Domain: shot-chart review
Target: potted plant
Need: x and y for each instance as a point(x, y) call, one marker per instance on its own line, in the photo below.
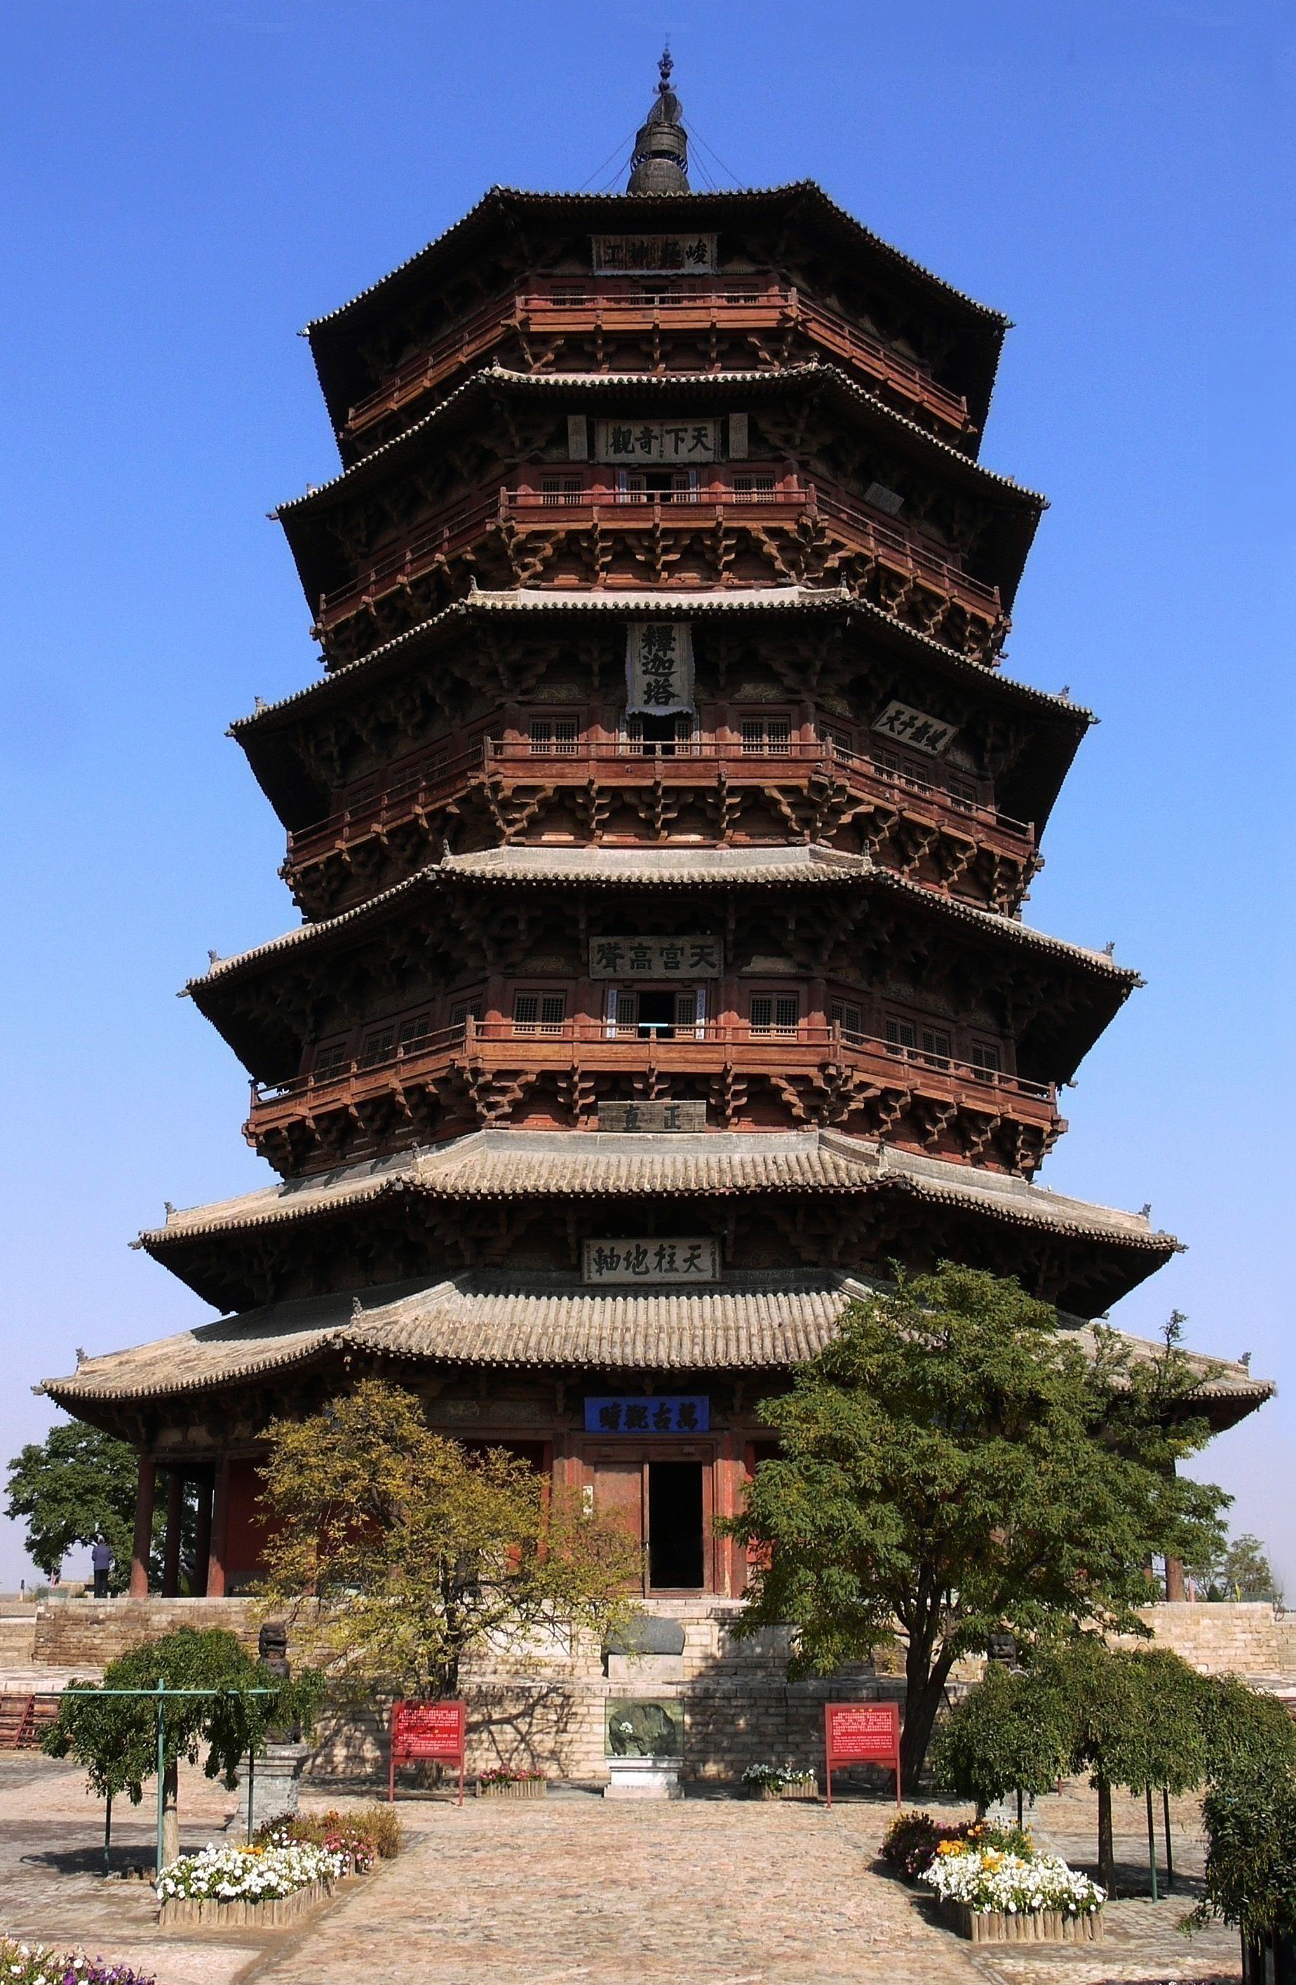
point(780, 1781)
point(507, 1782)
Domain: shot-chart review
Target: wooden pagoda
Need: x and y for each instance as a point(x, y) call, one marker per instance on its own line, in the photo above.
point(660, 826)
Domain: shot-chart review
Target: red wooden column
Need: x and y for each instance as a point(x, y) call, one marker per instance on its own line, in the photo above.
point(174, 1521)
point(202, 1543)
point(219, 1531)
point(139, 1574)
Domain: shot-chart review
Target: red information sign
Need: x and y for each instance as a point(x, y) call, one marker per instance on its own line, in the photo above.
point(862, 1733)
point(427, 1730)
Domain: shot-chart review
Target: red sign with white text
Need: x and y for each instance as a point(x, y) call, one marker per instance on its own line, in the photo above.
point(862, 1733)
point(427, 1732)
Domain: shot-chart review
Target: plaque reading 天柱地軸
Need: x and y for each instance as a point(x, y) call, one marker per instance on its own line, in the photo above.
point(655, 957)
point(659, 668)
point(655, 254)
point(650, 1260)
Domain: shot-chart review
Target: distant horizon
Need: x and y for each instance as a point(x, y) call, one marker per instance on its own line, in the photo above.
point(188, 191)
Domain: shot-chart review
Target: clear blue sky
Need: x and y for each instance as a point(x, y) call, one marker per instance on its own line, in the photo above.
point(183, 186)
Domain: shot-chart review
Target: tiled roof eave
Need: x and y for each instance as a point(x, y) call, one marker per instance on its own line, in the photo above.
point(838, 872)
point(790, 599)
point(664, 385)
point(500, 196)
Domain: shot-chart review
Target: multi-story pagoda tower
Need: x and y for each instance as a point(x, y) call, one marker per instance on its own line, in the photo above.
point(660, 827)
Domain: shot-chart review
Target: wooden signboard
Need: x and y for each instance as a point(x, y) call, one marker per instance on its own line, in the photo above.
point(862, 1733)
point(431, 1731)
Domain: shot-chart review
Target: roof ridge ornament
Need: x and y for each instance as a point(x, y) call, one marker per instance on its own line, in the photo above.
point(659, 162)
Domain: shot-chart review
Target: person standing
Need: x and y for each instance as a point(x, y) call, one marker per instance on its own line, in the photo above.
point(101, 1559)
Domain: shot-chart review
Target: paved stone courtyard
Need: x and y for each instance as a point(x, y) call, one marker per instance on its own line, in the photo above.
point(580, 1891)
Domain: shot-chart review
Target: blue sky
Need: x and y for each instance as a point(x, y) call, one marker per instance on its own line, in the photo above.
point(184, 186)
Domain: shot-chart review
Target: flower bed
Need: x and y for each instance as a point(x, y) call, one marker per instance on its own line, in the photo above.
point(260, 1884)
point(993, 1896)
point(359, 1838)
point(505, 1783)
point(780, 1781)
point(38, 1964)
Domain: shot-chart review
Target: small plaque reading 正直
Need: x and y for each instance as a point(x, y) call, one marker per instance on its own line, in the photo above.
point(651, 1116)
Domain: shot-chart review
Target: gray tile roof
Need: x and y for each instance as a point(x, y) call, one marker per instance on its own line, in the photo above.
point(797, 865)
point(600, 205)
point(666, 603)
point(703, 386)
point(505, 1164)
point(751, 1322)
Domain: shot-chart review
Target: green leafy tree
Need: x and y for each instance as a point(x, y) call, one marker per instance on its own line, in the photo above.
point(1251, 1856)
point(1240, 1571)
point(407, 1551)
point(68, 1488)
point(952, 1465)
point(1011, 1733)
point(115, 1737)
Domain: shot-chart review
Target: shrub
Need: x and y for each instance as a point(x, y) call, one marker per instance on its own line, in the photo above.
point(912, 1841)
point(776, 1776)
point(507, 1774)
point(1251, 1855)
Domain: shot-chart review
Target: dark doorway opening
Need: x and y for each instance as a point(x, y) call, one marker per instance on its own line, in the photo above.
point(656, 1015)
point(676, 1546)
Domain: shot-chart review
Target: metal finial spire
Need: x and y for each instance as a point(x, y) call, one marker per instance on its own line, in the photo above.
point(659, 163)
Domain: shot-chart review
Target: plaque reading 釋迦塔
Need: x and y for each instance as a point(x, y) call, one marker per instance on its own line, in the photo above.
point(651, 1260)
point(655, 958)
point(659, 668)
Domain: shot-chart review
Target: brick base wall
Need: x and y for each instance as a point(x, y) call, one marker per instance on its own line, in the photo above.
point(543, 1704)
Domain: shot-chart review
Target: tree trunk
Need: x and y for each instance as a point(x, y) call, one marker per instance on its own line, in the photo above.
point(1106, 1846)
point(171, 1814)
point(924, 1689)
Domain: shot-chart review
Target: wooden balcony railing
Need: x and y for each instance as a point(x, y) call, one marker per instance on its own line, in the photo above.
point(597, 1045)
point(414, 785)
point(903, 552)
point(550, 309)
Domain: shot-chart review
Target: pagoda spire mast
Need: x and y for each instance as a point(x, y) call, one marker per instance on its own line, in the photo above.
point(659, 163)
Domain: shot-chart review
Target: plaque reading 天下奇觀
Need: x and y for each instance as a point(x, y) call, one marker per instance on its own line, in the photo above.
point(685, 443)
point(650, 1260)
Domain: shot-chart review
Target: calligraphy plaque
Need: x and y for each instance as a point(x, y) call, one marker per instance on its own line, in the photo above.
point(659, 668)
point(915, 728)
point(654, 254)
point(683, 442)
point(650, 1260)
point(652, 1116)
point(656, 1414)
point(656, 958)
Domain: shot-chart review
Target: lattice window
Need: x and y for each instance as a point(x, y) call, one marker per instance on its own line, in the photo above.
point(755, 485)
point(935, 1043)
point(558, 490)
point(330, 1061)
point(414, 1031)
point(539, 1013)
point(554, 737)
point(844, 1013)
point(377, 1047)
point(462, 1010)
point(775, 1013)
point(987, 1058)
point(766, 737)
point(901, 1035)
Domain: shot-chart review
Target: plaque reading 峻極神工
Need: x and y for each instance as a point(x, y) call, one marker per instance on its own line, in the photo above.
point(651, 1260)
point(652, 1116)
point(655, 957)
point(655, 254)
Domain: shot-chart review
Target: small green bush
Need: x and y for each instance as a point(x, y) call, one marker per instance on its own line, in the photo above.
point(1251, 1855)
